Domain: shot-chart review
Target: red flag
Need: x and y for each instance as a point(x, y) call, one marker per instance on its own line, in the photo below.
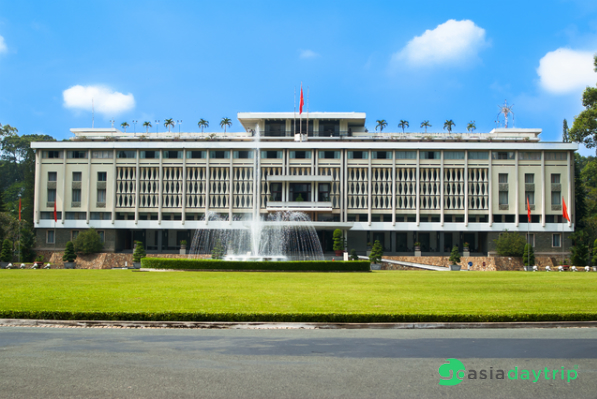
point(565, 210)
point(302, 101)
point(19, 209)
point(528, 210)
point(55, 213)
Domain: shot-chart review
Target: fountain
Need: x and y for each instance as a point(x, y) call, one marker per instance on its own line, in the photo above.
point(279, 236)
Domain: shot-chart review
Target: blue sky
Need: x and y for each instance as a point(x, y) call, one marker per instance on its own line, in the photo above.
point(186, 60)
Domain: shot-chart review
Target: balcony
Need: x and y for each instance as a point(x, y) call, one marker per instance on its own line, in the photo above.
point(301, 206)
point(299, 178)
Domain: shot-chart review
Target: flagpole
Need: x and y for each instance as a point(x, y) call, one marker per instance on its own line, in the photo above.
point(294, 118)
point(301, 115)
point(307, 111)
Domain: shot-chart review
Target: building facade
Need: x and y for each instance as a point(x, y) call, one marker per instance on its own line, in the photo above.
point(437, 189)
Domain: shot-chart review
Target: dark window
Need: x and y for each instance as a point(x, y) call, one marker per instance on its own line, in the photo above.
point(276, 191)
point(52, 176)
point(219, 154)
point(244, 154)
point(77, 154)
point(300, 154)
point(381, 155)
point(430, 155)
point(102, 176)
point(172, 154)
point(329, 154)
point(195, 154)
point(52, 154)
point(149, 154)
point(358, 155)
point(271, 154)
point(300, 191)
point(324, 192)
point(77, 176)
point(127, 154)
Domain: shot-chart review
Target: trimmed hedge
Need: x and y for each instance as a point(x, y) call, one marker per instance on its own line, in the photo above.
point(295, 317)
point(215, 264)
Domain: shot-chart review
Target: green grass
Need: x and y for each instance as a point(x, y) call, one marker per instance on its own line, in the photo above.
point(395, 295)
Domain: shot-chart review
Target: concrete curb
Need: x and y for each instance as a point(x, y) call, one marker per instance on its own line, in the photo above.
point(292, 326)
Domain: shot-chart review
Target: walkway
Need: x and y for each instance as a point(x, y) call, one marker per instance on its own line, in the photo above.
point(411, 264)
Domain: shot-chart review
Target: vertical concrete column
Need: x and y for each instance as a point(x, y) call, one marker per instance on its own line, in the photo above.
point(516, 198)
point(36, 214)
point(160, 190)
point(115, 174)
point(314, 186)
point(441, 192)
point(137, 190)
point(184, 186)
point(369, 185)
point(207, 185)
point(231, 188)
point(64, 180)
point(465, 188)
point(342, 195)
point(285, 172)
point(392, 237)
point(543, 192)
point(490, 188)
point(88, 188)
point(417, 184)
point(257, 204)
point(345, 183)
point(570, 202)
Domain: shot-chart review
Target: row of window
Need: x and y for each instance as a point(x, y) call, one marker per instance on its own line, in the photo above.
point(529, 178)
point(51, 236)
point(245, 154)
point(101, 176)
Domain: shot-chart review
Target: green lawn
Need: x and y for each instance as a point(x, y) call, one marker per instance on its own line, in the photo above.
point(408, 296)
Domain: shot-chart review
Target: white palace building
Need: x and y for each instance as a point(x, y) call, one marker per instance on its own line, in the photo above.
point(438, 189)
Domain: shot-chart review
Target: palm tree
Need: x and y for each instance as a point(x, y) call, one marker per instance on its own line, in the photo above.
point(202, 124)
point(225, 122)
point(471, 126)
point(124, 125)
point(425, 124)
point(169, 123)
point(381, 123)
point(403, 124)
point(448, 125)
point(146, 125)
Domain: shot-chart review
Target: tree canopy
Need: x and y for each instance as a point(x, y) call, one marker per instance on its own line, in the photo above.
point(584, 129)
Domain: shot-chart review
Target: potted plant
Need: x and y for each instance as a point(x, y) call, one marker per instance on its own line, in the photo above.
point(417, 248)
point(338, 238)
point(455, 259)
point(138, 254)
point(466, 249)
point(375, 256)
point(528, 258)
point(69, 256)
point(353, 254)
point(183, 247)
point(6, 254)
point(39, 262)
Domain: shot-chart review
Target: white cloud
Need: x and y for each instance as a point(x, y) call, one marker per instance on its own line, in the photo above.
point(105, 100)
point(453, 42)
point(3, 48)
point(564, 71)
point(306, 54)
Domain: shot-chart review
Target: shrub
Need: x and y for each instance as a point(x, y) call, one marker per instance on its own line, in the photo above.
point(353, 254)
point(183, 243)
point(376, 252)
point(454, 256)
point(88, 242)
point(212, 264)
point(510, 244)
point(139, 252)
point(338, 238)
point(69, 252)
point(26, 245)
point(39, 258)
point(528, 258)
point(580, 253)
point(6, 255)
point(218, 250)
point(594, 260)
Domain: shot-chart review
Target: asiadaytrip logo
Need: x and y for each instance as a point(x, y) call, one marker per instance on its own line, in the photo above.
point(453, 371)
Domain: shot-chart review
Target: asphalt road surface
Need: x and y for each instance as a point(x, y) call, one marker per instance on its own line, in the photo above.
point(170, 363)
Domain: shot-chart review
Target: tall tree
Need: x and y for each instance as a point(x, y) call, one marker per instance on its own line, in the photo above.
point(425, 124)
point(381, 123)
point(225, 122)
point(565, 138)
point(403, 124)
point(584, 128)
point(169, 123)
point(448, 125)
point(124, 125)
point(146, 125)
point(471, 126)
point(202, 124)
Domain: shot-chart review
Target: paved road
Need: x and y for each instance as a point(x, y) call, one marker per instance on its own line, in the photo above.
point(168, 363)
